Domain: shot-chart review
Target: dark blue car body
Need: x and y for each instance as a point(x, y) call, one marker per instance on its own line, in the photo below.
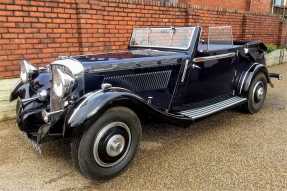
point(178, 86)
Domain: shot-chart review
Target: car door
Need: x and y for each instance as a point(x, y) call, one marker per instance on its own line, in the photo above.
point(205, 78)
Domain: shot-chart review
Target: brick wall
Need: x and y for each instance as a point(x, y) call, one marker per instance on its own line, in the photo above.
point(41, 30)
point(206, 18)
point(106, 26)
point(242, 5)
point(260, 6)
point(36, 30)
point(284, 35)
point(267, 28)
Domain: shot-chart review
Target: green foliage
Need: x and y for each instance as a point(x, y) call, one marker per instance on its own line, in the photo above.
point(271, 48)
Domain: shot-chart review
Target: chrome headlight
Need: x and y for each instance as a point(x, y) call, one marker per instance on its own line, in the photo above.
point(62, 83)
point(27, 70)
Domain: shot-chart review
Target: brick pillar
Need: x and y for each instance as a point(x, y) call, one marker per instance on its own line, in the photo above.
point(283, 41)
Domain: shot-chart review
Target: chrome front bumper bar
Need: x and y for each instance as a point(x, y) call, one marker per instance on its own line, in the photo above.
point(51, 116)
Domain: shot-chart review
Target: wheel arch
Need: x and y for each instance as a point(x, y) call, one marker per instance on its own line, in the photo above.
point(94, 105)
point(249, 75)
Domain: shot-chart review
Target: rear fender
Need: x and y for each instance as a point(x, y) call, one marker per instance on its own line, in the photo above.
point(249, 76)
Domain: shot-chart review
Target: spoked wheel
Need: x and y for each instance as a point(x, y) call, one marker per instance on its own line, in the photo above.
point(109, 144)
point(257, 94)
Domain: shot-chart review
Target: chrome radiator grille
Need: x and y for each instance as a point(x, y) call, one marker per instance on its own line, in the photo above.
point(56, 103)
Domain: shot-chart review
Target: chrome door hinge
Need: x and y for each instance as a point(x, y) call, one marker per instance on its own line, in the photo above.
point(194, 66)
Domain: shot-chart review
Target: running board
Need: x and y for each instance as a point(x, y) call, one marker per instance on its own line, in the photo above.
point(213, 108)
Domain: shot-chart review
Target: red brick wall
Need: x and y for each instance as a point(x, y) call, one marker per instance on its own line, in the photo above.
point(41, 30)
point(206, 18)
point(107, 26)
point(267, 28)
point(260, 6)
point(36, 30)
point(284, 35)
point(242, 5)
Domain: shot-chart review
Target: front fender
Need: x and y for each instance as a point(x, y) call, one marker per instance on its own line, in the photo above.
point(29, 89)
point(93, 105)
point(15, 91)
point(21, 90)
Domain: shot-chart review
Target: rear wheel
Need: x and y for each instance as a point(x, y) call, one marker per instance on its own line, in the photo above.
point(256, 94)
point(109, 144)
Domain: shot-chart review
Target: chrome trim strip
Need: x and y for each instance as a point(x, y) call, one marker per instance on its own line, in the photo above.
point(245, 75)
point(30, 99)
point(184, 70)
point(53, 112)
point(216, 57)
point(90, 54)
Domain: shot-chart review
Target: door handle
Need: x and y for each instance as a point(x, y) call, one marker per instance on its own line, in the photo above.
point(194, 66)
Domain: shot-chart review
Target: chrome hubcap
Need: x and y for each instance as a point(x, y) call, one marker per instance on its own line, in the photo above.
point(258, 92)
point(115, 145)
point(112, 144)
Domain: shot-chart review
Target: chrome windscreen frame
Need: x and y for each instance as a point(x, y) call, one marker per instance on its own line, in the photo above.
point(165, 47)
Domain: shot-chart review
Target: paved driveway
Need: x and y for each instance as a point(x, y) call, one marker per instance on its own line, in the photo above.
point(228, 151)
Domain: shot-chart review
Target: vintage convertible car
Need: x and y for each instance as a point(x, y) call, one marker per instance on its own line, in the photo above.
point(101, 100)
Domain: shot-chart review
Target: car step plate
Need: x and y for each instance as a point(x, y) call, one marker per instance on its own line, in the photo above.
point(212, 108)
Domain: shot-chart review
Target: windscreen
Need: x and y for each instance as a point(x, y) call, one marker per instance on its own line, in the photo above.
point(173, 38)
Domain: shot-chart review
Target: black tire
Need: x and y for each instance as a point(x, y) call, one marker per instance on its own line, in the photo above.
point(255, 100)
point(108, 145)
point(18, 113)
point(74, 151)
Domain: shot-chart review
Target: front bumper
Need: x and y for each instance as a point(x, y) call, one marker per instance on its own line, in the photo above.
point(51, 117)
point(32, 104)
point(39, 125)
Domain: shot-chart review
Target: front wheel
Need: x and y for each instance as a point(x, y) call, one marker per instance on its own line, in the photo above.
point(256, 94)
point(109, 144)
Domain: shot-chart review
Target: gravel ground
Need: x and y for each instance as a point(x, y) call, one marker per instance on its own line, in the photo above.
point(227, 151)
